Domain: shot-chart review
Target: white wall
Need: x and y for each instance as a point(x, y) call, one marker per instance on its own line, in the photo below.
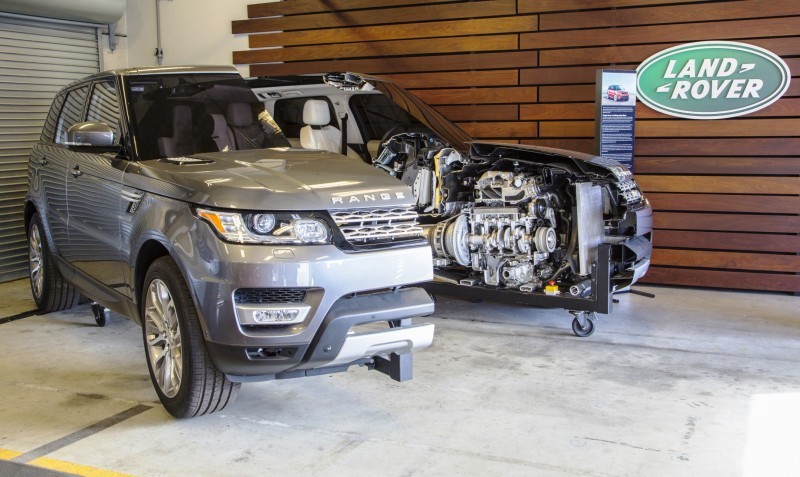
point(192, 32)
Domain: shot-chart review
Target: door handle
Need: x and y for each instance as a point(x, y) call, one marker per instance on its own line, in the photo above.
point(44, 161)
point(76, 171)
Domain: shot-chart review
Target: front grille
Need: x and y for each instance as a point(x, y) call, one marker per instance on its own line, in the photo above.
point(269, 295)
point(370, 226)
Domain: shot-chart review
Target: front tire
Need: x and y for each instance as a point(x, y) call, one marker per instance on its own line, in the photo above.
point(186, 380)
point(51, 292)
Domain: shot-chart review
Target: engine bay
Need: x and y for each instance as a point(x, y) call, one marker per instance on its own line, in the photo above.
point(501, 219)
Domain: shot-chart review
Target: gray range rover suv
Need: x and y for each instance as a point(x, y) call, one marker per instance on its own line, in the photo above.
point(156, 193)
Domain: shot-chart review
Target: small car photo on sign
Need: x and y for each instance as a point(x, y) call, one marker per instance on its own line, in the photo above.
point(619, 88)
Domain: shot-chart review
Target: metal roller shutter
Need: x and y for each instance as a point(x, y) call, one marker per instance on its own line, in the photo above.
point(37, 58)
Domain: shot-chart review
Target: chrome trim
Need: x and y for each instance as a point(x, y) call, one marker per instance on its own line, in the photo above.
point(396, 340)
point(375, 225)
point(245, 312)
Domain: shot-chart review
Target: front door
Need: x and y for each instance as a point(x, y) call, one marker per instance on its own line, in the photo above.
point(94, 184)
point(52, 157)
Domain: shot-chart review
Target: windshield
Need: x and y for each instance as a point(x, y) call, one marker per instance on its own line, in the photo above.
point(379, 115)
point(447, 131)
point(183, 114)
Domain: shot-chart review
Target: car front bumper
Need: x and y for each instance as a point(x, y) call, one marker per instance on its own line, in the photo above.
point(341, 291)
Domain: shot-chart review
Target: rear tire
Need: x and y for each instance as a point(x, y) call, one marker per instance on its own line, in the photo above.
point(186, 380)
point(51, 292)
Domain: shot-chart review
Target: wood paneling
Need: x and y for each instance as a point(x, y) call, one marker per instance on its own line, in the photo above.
point(413, 14)
point(294, 7)
point(481, 112)
point(557, 111)
point(725, 127)
point(668, 14)
point(456, 79)
point(570, 74)
point(462, 62)
point(683, 33)
point(750, 147)
point(786, 107)
point(397, 32)
point(698, 277)
point(743, 203)
point(378, 48)
point(719, 165)
point(720, 184)
point(567, 129)
point(609, 55)
point(565, 94)
point(511, 129)
point(726, 193)
point(727, 241)
point(536, 6)
point(732, 260)
point(779, 224)
point(522, 94)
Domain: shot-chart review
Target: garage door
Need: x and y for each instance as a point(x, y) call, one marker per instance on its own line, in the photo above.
point(37, 58)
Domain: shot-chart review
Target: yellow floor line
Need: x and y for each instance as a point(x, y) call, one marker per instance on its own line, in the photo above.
point(6, 454)
point(77, 469)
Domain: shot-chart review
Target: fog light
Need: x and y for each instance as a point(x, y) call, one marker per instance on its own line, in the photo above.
point(275, 316)
point(261, 314)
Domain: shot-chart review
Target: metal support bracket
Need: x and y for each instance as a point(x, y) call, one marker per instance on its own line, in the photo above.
point(396, 366)
point(112, 36)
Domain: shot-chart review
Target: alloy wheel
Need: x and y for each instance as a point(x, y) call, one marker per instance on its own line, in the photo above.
point(36, 259)
point(163, 338)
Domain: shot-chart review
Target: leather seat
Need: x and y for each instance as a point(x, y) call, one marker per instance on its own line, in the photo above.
point(221, 134)
point(181, 142)
point(247, 132)
point(317, 132)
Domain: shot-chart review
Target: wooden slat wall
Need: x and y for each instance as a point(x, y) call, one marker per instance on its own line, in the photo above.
point(726, 193)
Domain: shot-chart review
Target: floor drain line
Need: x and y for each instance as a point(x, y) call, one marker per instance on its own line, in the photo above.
point(81, 434)
point(19, 316)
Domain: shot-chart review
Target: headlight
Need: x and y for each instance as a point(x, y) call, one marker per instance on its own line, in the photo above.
point(266, 227)
point(263, 223)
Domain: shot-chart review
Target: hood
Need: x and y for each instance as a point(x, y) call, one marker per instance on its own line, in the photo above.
point(573, 160)
point(276, 179)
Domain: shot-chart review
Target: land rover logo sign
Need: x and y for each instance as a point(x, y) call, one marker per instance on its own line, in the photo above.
point(712, 80)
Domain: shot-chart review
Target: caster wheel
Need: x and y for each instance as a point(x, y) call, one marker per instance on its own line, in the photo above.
point(582, 330)
point(100, 314)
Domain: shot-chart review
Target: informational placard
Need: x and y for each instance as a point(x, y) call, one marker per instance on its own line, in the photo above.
point(615, 115)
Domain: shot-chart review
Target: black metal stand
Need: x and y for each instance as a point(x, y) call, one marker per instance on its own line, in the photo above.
point(599, 301)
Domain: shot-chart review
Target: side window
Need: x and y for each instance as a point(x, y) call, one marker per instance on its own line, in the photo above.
point(104, 107)
point(289, 114)
point(70, 113)
point(52, 118)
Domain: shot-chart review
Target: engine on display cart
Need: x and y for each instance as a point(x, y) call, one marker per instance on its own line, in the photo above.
point(508, 222)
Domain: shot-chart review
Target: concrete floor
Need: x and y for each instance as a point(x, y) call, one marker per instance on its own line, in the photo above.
point(692, 382)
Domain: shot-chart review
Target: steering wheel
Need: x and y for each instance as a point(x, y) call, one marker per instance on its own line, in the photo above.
point(394, 130)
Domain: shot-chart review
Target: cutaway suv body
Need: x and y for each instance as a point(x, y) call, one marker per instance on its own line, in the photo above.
point(157, 193)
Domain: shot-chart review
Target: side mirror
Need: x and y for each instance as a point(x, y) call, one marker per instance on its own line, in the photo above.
point(92, 134)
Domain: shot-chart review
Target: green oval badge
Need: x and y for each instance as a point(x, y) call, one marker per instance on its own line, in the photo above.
point(711, 80)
